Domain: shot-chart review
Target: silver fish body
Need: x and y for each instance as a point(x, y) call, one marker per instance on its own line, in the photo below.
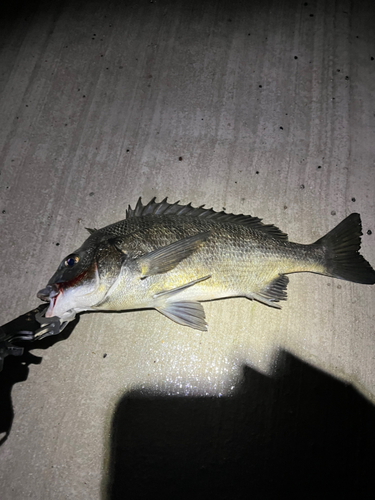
point(171, 257)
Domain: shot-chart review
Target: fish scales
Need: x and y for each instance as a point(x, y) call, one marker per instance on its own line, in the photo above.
point(171, 257)
point(225, 255)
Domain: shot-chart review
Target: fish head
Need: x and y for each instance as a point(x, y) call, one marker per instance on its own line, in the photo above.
point(83, 278)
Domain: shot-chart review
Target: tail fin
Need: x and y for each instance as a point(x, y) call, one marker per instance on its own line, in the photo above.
point(341, 247)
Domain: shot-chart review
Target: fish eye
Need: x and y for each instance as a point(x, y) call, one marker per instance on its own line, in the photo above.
point(71, 260)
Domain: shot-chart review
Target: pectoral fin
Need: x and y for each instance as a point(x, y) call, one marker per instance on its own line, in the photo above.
point(185, 313)
point(166, 258)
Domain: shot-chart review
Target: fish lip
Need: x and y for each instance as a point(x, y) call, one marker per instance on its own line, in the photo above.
point(48, 293)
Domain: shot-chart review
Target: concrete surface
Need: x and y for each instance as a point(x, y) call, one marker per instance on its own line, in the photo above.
point(261, 107)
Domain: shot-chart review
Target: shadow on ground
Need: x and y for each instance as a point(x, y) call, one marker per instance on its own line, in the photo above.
point(15, 369)
point(300, 432)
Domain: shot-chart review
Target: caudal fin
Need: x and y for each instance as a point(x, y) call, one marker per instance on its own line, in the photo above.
point(341, 247)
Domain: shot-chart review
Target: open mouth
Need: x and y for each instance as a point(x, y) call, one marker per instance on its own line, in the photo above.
point(69, 297)
point(49, 293)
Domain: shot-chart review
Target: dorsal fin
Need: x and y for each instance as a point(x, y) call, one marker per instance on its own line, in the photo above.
point(91, 231)
point(154, 208)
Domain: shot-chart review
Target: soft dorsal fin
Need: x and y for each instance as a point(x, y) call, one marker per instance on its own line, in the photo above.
point(154, 208)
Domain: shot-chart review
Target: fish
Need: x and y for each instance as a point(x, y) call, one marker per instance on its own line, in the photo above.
point(171, 257)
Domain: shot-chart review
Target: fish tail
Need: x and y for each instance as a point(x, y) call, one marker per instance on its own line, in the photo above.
point(341, 247)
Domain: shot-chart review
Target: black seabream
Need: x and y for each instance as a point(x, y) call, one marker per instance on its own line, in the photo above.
point(171, 257)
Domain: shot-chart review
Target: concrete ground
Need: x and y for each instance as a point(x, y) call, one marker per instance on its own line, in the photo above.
point(261, 107)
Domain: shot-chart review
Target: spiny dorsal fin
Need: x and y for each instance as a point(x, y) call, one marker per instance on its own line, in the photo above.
point(91, 231)
point(154, 208)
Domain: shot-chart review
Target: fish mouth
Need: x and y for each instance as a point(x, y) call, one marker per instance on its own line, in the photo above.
point(70, 297)
point(48, 293)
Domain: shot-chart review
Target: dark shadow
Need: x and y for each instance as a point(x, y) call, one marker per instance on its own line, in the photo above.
point(299, 433)
point(15, 369)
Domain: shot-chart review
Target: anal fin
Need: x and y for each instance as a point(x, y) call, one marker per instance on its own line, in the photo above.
point(273, 292)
